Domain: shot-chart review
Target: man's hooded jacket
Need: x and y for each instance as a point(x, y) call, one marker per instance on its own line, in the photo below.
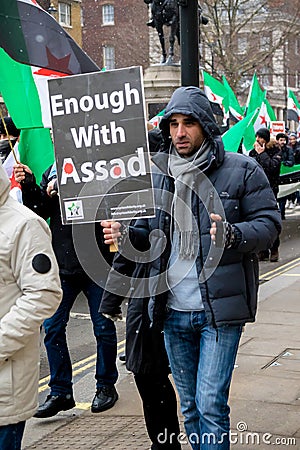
point(229, 184)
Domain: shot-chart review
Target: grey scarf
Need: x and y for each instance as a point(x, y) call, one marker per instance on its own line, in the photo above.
point(184, 170)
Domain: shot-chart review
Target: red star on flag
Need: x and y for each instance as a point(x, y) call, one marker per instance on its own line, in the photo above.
point(62, 64)
point(263, 120)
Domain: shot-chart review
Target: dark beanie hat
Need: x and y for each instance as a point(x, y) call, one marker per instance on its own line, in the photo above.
point(11, 127)
point(282, 136)
point(264, 133)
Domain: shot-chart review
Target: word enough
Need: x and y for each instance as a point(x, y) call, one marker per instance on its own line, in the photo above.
point(116, 100)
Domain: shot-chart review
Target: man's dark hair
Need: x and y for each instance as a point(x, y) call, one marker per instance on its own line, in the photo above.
point(10, 126)
point(282, 135)
point(263, 133)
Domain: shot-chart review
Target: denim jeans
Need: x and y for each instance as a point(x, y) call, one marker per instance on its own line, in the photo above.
point(56, 343)
point(11, 436)
point(202, 361)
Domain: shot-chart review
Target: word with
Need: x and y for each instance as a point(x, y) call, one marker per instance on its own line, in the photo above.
point(94, 135)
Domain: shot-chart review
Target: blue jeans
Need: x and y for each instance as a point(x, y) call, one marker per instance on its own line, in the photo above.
point(202, 362)
point(11, 436)
point(56, 343)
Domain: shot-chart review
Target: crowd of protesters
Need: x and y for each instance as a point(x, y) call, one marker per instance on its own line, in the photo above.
point(185, 318)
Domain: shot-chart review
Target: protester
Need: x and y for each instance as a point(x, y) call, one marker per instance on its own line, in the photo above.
point(74, 280)
point(202, 293)
point(287, 159)
point(9, 134)
point(268, 154)
point(145, 353)
point(295, 146)
point(29, 293)
point(9, 139)
point(294, 198)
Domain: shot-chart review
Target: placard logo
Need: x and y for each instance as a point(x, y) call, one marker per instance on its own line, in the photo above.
point(74, 210)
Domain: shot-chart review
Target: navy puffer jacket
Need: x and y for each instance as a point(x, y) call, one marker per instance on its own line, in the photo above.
point(235, 187)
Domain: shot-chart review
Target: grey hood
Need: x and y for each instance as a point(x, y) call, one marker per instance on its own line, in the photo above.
point(191, 101)
point(4, 185)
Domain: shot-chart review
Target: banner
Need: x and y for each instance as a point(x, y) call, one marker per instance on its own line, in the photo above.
point(100, 140)
point(31, 36)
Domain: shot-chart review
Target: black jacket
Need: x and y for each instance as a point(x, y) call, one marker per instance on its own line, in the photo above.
point(235, 182)
point(145, 349)
point(287, 155)
point(36, 198)
point(229, 280)
point(296, 152)
point(270, 161)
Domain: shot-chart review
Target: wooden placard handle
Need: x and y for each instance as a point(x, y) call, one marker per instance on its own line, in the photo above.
point(113, 247)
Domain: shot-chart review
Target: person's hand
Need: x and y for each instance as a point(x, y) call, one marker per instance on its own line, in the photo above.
point(52, 187)
point(20, 172)
point(214, 229)
point(222, 233)
point(111, 231)
point(259, 148)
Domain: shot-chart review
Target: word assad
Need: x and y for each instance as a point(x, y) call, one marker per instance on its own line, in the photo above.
point(101, 170)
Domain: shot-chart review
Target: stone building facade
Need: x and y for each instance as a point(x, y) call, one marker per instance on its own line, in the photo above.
point(115, 34)
point(68, 14)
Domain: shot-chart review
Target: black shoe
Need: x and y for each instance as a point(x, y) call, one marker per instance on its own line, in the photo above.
point(151, 23)
point(104, 399)
point(122, 357)
point(264, 255)
point(274, 256)
point(54, 404)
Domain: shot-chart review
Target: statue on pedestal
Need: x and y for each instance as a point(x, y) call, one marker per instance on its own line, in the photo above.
point(165, 12)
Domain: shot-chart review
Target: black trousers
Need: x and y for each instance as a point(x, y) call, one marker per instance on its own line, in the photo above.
point(160, 410)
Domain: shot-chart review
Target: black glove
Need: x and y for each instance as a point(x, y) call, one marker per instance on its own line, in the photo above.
point(226, 235)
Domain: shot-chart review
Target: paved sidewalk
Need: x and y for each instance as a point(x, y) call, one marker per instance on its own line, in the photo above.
point(265, 394)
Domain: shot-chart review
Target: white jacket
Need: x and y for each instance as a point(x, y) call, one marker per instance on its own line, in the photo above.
point(29, 293)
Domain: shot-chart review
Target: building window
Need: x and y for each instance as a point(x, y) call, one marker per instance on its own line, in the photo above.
point(81, 18)
point(108, 15)
point(109, 57)
point(298, 80)
point(265, 77)
point(265, 43)
point(64, 14)
point(242, 44)
point(297, 46)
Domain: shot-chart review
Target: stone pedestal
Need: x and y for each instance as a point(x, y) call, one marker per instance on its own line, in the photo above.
point(160, 81)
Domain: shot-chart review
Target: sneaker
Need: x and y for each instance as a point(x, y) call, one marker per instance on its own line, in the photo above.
point(104, 399)
point(54, 404)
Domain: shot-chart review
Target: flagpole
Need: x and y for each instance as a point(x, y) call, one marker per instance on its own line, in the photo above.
point(189, 42)
point(9, 141)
